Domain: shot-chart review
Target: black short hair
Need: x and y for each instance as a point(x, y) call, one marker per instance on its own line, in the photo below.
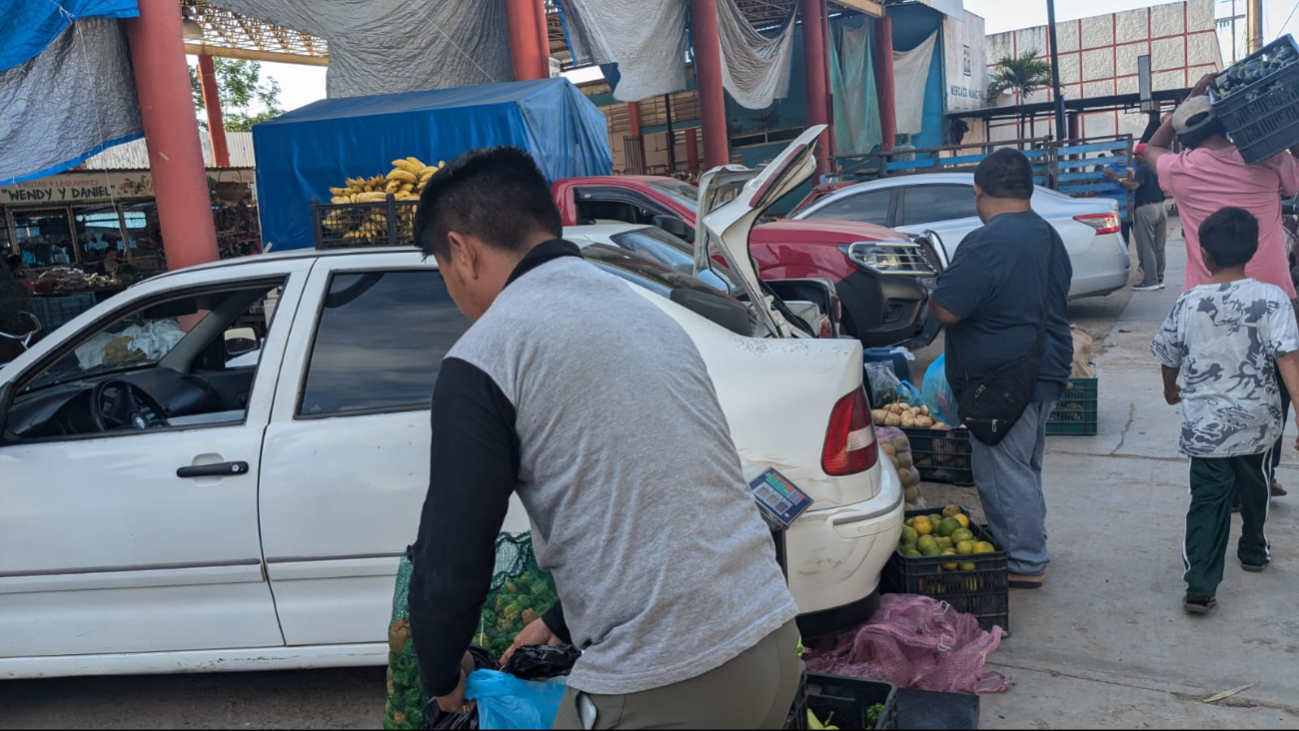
point(1194, 139)
point(1230, 236)
point(497, 194)
point(14, 262)
point(1005, 173)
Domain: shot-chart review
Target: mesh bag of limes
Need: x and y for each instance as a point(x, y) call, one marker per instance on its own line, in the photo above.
point(945, 556)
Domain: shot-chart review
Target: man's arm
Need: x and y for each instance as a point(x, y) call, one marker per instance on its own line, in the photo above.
point(942, 314)
point(1172, 394)
point(474, 470)
point(1288, 364)
point(963, 286)
point(1125, 183)
point(1162, 141)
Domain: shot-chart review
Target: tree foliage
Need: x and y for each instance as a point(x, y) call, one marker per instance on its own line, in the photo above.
point(1026, 74)
point(245, 98)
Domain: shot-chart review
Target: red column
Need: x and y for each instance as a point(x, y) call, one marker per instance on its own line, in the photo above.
point(212, 104)
point(884, 81)
point(814, 72)
point(692, 147)
point(633, 118)
point(521, 15)
point(708, 74)
point(543, 38)
point(171, 132)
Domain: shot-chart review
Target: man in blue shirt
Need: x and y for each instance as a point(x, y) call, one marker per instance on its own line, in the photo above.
point(1151, 219)
point(992, 299)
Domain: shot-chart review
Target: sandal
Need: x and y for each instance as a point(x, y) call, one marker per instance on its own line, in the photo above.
point(1199, 605)
point(1020, 581)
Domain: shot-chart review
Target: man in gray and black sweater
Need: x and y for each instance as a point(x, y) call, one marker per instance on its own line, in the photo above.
point(587, 400)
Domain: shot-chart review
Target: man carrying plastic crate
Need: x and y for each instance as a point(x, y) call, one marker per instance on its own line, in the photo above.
point(1209, 171)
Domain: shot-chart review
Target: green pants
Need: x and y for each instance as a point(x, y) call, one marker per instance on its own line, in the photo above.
point(1208, 522)
point(754, 691)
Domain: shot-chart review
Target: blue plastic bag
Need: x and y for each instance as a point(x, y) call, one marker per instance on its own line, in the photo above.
point(938, 394)
point(909, 394)
point(507, 703)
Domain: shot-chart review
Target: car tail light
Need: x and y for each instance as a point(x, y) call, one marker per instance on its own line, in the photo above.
point(1104, 223)
point(850, 445)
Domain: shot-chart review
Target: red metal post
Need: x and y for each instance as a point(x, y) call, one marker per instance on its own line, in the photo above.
point(171, 133)
point(521, 16)
point(633, 118)
point(543, 37)
point(216, 130)
point(884, 81)
point(692, 147)
point(814, 72)
point(708, 74)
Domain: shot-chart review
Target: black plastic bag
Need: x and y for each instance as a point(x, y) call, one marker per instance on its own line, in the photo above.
point(542, 663)
point(437, 719)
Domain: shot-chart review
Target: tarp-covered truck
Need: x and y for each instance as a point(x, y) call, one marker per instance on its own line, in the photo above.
point(301, 154)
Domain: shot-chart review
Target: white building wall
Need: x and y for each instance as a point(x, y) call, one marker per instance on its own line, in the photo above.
point(1098, 57)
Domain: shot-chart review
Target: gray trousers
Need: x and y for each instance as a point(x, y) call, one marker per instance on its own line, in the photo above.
point(1009, 477)
point(1151, 232)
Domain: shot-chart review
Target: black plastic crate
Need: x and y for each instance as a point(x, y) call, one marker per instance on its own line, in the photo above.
point(1262, 117)
point(983, 592)
point(942, 455)
point(388, 222)
point(1077, 412)
point(843, 702)
point(55, 311)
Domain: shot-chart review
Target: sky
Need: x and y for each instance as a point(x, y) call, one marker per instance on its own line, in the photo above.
point(302, 85)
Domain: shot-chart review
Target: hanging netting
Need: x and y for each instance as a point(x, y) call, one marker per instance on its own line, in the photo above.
point(520, 593)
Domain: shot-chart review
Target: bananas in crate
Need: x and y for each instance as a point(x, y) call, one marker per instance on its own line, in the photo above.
point(358, 225)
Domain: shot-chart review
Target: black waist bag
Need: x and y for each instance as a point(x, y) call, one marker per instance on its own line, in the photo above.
point(991, 406)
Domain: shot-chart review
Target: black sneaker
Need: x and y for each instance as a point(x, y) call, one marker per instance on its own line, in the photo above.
point(1253, 568)
point(1199, 605)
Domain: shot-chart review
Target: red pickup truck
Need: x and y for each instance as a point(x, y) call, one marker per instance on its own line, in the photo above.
point(878, 273)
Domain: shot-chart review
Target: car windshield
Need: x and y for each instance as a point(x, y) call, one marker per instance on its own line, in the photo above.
point(683, 192)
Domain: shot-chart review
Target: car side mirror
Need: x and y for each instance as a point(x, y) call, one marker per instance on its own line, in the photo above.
point(672, 224)
point(240, 340)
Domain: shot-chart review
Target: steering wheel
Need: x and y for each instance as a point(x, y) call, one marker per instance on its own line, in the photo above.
point(115, 404)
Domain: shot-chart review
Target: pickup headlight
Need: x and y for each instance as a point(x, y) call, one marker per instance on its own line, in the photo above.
point(889, 257)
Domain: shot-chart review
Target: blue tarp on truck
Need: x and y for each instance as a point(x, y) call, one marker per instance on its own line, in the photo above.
point(302, 153)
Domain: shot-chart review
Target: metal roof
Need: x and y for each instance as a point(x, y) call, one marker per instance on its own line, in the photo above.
point(134, 155)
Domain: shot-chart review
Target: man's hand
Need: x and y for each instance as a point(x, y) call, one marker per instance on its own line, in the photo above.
point(1173, 395)
point(1110, 173)
point(455, 701)
point(537, 634)
point(1202, 86)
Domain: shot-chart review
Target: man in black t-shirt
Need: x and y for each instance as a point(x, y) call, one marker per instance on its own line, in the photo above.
point(1149, 220)
point(992, 299)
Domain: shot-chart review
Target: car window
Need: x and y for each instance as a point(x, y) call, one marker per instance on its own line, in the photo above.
point(379, 343)
point(685, 193)
point(143, 337)
point(930, 203)
point(666, 249)
point(865, 207)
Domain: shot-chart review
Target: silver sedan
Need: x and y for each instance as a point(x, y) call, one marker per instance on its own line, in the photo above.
point(944, 202)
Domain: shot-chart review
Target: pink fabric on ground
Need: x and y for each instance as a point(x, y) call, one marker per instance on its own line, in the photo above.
point(915, 642)
point(1204, 181)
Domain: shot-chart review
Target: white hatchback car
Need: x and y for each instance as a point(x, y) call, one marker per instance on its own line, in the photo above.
point(944, 202)
point(166, 507)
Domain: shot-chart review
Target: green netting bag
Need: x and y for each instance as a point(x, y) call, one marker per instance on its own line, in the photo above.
point(520, 592)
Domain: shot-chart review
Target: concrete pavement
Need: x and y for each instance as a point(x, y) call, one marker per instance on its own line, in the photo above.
point(1105, 644)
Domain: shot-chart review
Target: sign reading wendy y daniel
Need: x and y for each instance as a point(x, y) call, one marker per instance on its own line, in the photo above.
point(98, 186)
point(965, 63)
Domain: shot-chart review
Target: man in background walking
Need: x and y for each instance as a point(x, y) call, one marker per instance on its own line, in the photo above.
point(1150, 220)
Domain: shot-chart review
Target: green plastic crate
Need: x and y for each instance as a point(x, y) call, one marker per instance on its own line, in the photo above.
point(1076, 414)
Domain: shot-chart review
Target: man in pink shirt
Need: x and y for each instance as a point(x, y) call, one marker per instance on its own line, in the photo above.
point(1209, 175)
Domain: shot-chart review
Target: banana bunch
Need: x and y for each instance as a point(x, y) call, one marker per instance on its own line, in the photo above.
point(408, 178)
point(360, 190)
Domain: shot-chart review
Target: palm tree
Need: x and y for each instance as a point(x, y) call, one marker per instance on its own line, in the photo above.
point(1026, 74)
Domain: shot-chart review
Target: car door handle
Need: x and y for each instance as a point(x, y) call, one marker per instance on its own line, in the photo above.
point(220, 469)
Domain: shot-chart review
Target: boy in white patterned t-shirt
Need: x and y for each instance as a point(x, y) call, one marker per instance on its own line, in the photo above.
point(1227, 339)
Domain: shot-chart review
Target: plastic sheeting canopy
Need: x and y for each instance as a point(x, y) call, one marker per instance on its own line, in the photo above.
point(302, 153)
